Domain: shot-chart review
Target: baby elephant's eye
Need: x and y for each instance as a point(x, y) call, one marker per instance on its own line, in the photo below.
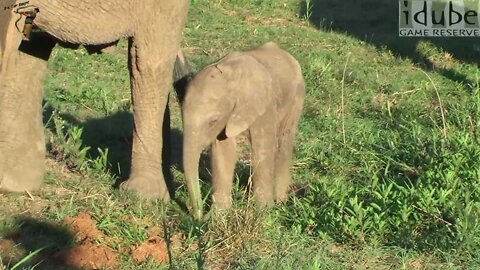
point(213, 121)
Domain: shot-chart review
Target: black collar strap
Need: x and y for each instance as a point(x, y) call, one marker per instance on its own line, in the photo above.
point(30, 12)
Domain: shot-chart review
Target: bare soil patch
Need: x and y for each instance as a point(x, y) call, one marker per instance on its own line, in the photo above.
point(155, 248)
point(84, 227)
point(90, 255)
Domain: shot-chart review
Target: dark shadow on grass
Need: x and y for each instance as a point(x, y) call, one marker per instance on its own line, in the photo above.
point(32, 235)
point(114, 133)
point(376, 22)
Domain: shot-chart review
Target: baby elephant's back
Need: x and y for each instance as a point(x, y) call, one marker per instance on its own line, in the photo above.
point(284, 69)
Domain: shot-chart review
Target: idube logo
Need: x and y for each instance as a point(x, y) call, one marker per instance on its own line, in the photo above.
point(440, 18)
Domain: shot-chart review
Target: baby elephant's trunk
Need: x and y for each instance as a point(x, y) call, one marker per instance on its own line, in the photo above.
point(191, 157)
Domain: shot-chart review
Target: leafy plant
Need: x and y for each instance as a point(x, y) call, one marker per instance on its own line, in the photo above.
point(308, 10)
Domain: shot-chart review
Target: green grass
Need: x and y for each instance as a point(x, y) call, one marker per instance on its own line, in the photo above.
point(390, 171)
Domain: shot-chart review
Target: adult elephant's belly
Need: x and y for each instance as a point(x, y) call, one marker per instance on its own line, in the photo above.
point(89, 22)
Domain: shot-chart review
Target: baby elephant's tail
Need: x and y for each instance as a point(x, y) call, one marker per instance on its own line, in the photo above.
point(182, 75)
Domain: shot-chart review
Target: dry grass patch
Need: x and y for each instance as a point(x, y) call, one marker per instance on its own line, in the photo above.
point(237, 234)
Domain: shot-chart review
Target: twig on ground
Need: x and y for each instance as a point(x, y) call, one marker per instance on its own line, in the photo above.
point(442, 111)
point(343, 103)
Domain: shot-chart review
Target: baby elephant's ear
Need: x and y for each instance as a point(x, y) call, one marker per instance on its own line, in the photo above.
point(251, 87)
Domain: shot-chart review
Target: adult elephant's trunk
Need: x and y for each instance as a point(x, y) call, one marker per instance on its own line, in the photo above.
point(191, 158)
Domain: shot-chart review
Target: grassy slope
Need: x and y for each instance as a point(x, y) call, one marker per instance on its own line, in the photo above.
point(385, 188)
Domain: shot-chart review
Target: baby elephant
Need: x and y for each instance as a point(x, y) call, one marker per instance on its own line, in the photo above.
point(259, 91)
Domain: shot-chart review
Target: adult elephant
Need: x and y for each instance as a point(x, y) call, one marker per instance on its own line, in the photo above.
point(154, 30)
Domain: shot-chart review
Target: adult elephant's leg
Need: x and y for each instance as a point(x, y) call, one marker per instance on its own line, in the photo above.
point(22, 143)
point(152, 56)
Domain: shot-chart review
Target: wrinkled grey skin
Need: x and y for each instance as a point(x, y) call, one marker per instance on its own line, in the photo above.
point(260, 92)
point(154, 30)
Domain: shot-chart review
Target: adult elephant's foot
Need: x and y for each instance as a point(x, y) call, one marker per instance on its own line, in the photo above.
point(22, 169)
point(147, 187)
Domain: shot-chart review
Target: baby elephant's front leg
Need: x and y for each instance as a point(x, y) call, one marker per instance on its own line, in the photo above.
point(223, 165)
point(263, 138)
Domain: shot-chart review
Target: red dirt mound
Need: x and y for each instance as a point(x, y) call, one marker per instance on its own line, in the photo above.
point(155, 247)
point(88, 254)
point(84, 227)
point(91, 256)
point(91, 249)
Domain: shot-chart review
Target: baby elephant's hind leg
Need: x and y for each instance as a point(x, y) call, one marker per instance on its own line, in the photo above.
point(285, 144)
point(263, 140)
